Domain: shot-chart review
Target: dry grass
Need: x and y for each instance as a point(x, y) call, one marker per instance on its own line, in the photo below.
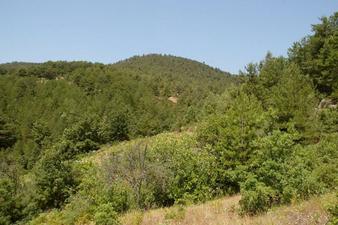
point(225, 212)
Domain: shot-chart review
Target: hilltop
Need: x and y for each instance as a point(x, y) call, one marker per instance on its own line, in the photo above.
point(173, 67)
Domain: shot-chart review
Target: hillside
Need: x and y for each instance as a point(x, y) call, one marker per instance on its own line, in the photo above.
point(171, 76)
point(140, 99)
point(42, 105)
point(158, 64)
point(175, 71)
point(113, 173)
point(89, 143)
point(225, 211)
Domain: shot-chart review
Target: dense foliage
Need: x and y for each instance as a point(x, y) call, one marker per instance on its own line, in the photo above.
point(270, 134)
point(55, 111)
point(316, 55)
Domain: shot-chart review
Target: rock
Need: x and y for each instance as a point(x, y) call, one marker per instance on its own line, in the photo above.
point(327, 103)
point(173, 99)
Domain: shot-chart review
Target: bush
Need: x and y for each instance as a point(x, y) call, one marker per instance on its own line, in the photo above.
point(8, 209)
point(256, 197)
point(303, 182)
point(120, 196)
point(105, 215)
point(333, 215)
point(54, 181)
point(159, 172)
point(52, 217)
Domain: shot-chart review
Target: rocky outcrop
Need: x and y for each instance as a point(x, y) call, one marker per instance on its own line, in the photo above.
point(327, 103)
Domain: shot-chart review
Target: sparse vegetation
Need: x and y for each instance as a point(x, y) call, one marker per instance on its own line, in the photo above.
point(226, 211)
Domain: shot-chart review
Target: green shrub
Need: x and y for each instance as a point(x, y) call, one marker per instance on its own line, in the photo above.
point(159, 172)
point(333, 210)
point(78, 209)
point(8, 210)
point(120, 196)
point(256, 197)
point(304, 183)
point(105, 215)
point(53, 180)
point(53, 217)
point(333, 215)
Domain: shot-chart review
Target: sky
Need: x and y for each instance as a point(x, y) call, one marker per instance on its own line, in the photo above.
point(226, 34)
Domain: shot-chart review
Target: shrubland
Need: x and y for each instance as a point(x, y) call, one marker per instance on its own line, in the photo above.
point(81, 142)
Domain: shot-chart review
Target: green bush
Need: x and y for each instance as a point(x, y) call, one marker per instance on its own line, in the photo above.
point(159, 172)
point(8, 209)
point(303, 182)
point(333, 215)
point(105, 215)
point(121, 197)
point(256, 197)
point(54, 180)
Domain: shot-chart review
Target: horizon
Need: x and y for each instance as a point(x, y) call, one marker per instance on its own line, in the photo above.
point(118, 61)
point(224, 35)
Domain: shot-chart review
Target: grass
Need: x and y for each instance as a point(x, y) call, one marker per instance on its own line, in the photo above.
point(98, 156)
point(224, 211)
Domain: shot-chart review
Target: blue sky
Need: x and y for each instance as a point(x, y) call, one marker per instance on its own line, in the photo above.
point(223, 34)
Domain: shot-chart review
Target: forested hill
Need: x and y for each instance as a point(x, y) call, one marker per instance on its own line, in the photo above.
point(169, 64)
point(141, 96)
point(187, 80)
point(167, 75)
point(269, 134)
